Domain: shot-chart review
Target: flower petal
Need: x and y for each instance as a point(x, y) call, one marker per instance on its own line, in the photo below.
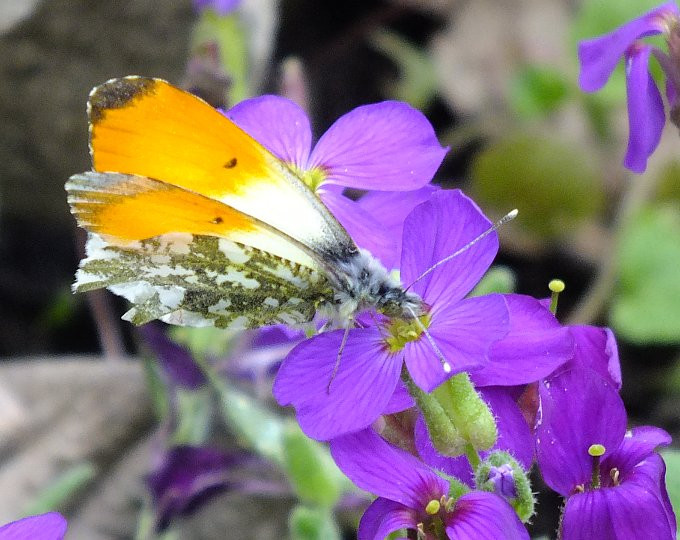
point(387, 471)
point(536, 344)
point(360, 391)
point(278, 124)
point(365, 230)
point(646, 116)
point(188, 476)
point(514, 436)
point(437, 229)
point(484, 516)
point(383, 517)
point(390, 208)
point(50, 526)
point(464, 333)
point(578, 409)
point(598, 56)
point(596, 349)
point(387, 146)
point(175, 360)
point(638, 443)
point(634, 509)
point(400, 400)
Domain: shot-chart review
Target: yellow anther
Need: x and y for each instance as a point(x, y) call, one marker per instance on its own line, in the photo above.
point(433, 507)
point(556, 285)
point(402, 331)
point(596, 450)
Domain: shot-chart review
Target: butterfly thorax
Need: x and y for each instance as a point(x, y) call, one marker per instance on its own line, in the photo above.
point(361, 282)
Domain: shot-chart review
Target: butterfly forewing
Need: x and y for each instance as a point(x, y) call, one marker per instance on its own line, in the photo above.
point(147, 127)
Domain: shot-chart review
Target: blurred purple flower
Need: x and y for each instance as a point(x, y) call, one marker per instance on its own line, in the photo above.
point(599, 56)
point(412, 496)
point(386, 146)
point(621, 494)
point(50, 526)
point(187, 477)
point(175, 360)
point(462, 328)
point(221, 7)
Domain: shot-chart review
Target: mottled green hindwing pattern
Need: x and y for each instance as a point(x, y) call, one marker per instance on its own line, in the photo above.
point(202, 281)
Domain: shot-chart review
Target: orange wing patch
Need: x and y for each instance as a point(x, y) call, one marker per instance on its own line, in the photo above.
point(128, 208)
point(124, 208)
point(150, 128)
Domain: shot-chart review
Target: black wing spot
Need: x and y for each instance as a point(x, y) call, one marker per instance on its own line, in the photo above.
point(217, 220)
point(116, 94)
point(230, 164)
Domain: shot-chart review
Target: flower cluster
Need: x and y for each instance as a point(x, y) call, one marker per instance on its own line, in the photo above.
point(646, 118)
point(441, 415)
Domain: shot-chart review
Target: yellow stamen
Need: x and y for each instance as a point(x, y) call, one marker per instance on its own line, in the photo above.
point(433, 507)
point(402, 331)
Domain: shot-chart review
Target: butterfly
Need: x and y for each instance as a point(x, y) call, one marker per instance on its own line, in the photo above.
point(198, 224)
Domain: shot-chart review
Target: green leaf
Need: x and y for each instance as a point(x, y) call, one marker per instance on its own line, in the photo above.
point(498, 279)
point(669, 182)
point(204, 341)
point(551, 183)
point(417, 82)
point(537, 90)
point(257, 427)
point(672, 459)
point(229, 34)
point(194, 410)
point(311, 470)
point(63, 489)
point(157, 388)
point(313, 524)
point(645, 308)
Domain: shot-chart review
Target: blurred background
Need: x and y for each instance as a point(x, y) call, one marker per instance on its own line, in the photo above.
point(81, 425)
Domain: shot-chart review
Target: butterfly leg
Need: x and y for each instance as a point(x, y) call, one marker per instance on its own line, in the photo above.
point(345, 335)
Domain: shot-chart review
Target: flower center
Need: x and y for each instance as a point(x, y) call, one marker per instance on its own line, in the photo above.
point(312, 177)
point(402, 331)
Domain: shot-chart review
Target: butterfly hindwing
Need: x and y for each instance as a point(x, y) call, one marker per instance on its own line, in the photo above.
point(199, 280)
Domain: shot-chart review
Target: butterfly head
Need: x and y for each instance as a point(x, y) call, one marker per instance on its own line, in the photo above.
point(364, 283)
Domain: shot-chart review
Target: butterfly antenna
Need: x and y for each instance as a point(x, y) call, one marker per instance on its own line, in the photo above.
point(508, 217)
point(440, 355)
point(337, 360)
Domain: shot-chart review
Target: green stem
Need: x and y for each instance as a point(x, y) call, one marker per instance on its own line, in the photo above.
point(473, 456)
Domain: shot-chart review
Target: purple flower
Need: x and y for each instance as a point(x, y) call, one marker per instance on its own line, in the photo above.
point(221, 7)
point(412, 496)
point(502, 478)
point(176, 361)
point(535, 346)
point(462, 329)
point(599, 57)
point(188, 476)
point(612, 480)
point(386, 146)
point(50, 526)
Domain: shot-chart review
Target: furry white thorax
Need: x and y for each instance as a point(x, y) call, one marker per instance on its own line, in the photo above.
point(362, 282)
